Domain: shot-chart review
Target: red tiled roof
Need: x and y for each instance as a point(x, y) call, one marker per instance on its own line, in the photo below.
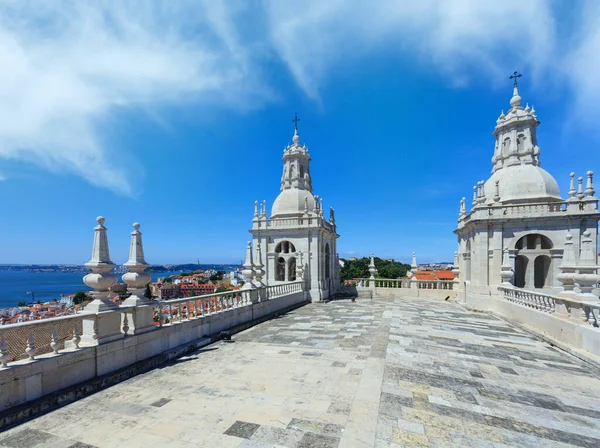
point(425, 275)
point(444, 275)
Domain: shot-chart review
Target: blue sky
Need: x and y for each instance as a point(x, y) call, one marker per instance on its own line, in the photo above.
point(175, 114)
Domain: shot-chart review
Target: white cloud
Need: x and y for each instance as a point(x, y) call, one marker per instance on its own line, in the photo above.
point(454, 37)
point(69, 67)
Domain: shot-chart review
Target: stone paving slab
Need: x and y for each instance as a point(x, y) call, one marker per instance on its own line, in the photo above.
point(383, 373)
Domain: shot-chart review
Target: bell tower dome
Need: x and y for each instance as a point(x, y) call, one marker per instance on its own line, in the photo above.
point(516, 162)
point(296, 184)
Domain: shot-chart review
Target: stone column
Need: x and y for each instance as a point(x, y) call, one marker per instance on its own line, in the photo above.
point(140, 318)
point(506, 273)
point(104, 327)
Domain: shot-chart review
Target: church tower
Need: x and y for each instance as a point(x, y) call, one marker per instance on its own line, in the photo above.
point(296, 239)
point(519, 225)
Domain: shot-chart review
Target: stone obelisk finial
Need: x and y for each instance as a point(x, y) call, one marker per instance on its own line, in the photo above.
point(248, 271)
point(136, 279)
point(100, 279)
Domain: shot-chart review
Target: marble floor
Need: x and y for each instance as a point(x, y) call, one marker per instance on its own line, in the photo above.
point(383, 373)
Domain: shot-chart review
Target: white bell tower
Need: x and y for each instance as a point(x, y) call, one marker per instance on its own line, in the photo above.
point(296, 240)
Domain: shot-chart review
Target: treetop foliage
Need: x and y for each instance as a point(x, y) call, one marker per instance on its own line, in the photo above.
point(359, 268)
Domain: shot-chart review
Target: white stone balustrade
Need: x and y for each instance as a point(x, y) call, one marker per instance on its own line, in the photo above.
point(560, 306)
point(177, 322)
point(39, 337)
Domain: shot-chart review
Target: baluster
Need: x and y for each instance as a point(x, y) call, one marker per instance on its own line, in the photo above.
point(31, 348)
point(591, 320)
point(594, 316)
point(76, 337)
point(125, 324)
point(161, 319)
point(54, 341)
point(95, 329)
point(170, 313)
point(4, 355)
point(552, 305)
point(188, 305)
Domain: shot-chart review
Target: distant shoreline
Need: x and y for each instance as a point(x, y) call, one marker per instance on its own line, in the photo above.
point(48, 282)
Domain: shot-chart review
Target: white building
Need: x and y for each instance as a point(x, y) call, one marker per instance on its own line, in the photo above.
point(297, 235)
point(518, 214)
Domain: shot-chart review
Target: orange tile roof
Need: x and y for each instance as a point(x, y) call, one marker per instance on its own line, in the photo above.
point(425, 275)
point(444, 275)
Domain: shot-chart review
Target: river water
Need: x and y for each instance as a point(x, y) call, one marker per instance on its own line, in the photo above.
point(45, 286)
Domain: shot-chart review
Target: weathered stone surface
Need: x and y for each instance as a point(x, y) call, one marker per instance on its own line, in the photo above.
point(264, 390)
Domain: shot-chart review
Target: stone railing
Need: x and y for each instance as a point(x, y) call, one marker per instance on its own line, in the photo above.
point(85, 346)
point(380, 283)
point(534, 209)
point(403, 283)
point(571, 308)
point(37, 337)
point(295, 222)
point(531, 299)
point(435, 284)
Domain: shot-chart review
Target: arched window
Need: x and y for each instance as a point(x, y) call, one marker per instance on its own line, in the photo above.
point(280, 270)
point(505, 146)
point(285, 247)
point(534, 241)
point(540, 271)
point(292, 269)
point(520, 269)
point(327, 260)
point(520, 140)
point(533, 261)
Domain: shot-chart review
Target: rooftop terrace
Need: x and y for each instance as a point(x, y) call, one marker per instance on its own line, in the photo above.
point(381, 372)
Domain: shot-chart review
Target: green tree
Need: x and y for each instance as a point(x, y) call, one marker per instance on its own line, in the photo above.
point(385, 268)
point(22, 304)
point(221, 289)
point(80, 297)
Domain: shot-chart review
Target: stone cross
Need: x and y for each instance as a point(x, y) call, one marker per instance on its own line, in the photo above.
point(515, 76)
point(296, 120)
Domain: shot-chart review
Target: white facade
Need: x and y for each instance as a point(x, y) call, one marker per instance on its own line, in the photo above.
point(297, 241)
point(519, 209)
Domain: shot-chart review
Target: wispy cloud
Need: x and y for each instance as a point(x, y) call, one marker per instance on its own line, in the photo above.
point(453, 37)
point(69, 68)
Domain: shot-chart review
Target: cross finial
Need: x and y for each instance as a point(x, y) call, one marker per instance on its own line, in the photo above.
point(295, 121)
point(515, 76)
